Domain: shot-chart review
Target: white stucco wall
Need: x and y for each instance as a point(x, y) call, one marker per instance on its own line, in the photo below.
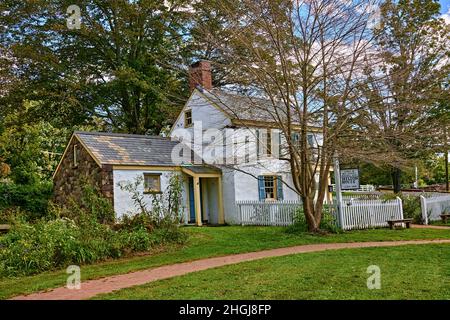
point(124, 204)
point(202, 111)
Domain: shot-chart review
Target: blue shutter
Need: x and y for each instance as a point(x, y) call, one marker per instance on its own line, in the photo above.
point(279, 188)
point(262, 190)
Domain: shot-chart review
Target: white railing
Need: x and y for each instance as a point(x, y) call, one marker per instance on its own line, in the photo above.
point(261, 213)
point(433, 207)
point(366, 213)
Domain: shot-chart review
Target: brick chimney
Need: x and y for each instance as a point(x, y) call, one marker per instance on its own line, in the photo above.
point(200, 75)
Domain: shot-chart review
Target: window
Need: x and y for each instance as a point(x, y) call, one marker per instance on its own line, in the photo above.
point(310, 138)
point(270, 188)
point(263, 142)
point(152, 182)
point(296, 139)
point(76, 155)
point(187, 118)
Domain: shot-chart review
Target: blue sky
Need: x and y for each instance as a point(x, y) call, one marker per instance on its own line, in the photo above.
point(445, 5)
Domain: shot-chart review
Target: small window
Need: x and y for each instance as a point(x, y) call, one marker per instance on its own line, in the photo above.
point(152, 183)
point(311, 140)
point(76, 155)
point(270, 187)
point(187, 118)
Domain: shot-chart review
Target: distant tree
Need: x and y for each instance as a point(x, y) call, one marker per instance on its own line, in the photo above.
point(122, 64)
point(403, 85)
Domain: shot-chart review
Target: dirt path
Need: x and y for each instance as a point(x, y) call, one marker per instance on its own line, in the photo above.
point(92, 288)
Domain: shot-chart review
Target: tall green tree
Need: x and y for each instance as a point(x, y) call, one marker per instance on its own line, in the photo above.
point(404, 78)
point(122, 64)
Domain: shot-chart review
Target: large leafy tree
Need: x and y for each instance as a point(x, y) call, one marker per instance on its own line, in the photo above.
point(304, 57)
point(404, 81)
point(120, 65)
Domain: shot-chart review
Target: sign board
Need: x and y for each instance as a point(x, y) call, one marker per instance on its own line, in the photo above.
point(350, 179)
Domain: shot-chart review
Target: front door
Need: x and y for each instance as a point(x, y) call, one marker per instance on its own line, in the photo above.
point(191, 201)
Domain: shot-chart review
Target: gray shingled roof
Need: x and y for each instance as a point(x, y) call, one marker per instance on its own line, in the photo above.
point(128, 149)
point(242, 107)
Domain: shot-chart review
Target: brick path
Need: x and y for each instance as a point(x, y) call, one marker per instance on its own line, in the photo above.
point(91, 288)
point(421, 226)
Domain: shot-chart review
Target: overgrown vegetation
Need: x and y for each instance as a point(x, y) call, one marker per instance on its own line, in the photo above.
point(32, 199)
point(83, 232)
point(327, 224)
point(411, 205)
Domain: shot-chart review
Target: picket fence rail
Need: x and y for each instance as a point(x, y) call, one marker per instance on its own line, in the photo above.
point(432, 207)
point(369, 213)
point(273, 213)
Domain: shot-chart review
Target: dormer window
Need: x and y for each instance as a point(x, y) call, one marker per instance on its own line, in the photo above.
point(187, 118)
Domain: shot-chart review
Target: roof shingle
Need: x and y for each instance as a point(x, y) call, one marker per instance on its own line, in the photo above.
point(128, 149)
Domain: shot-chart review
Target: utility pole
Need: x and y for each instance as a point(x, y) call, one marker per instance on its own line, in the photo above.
point(337, 181)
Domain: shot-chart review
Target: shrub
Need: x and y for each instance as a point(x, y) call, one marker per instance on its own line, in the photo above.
point(91, 204)
point(33, 198)
point(328, 222)
point(83, 232)
point(411, 206)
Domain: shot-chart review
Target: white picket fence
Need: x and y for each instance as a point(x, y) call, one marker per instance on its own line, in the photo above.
point(276, 213)
point(434, 206)
point(369, 213)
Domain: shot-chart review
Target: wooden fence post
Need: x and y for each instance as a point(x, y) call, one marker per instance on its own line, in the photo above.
point(400, 205)
point(423, 206)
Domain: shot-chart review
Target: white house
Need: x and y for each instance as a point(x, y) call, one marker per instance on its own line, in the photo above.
point(236, 156)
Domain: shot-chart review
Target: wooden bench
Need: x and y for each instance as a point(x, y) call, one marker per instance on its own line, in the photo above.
point(445, 217)
point(392, 223)
point(4, 228)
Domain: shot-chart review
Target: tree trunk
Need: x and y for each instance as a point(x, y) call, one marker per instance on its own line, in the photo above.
point(308, 207)
point(396, 179)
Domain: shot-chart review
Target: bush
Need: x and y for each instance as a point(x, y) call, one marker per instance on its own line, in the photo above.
point(33, 198)
point(328, 222)
point(46, 245)
point(78, 235)
point(91, 204)
point(411, 206)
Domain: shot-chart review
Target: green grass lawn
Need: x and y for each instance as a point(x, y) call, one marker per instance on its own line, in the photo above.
point(440, 223)
point(407, 272)
point(208, 242)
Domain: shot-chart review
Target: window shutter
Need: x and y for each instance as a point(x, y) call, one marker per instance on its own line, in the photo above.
point(279, 144)
point(262, 190)
point(257, 144)
point(279, 188)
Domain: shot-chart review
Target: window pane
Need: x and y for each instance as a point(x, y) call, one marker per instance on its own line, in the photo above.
point(269, 186)
point(151, 183)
